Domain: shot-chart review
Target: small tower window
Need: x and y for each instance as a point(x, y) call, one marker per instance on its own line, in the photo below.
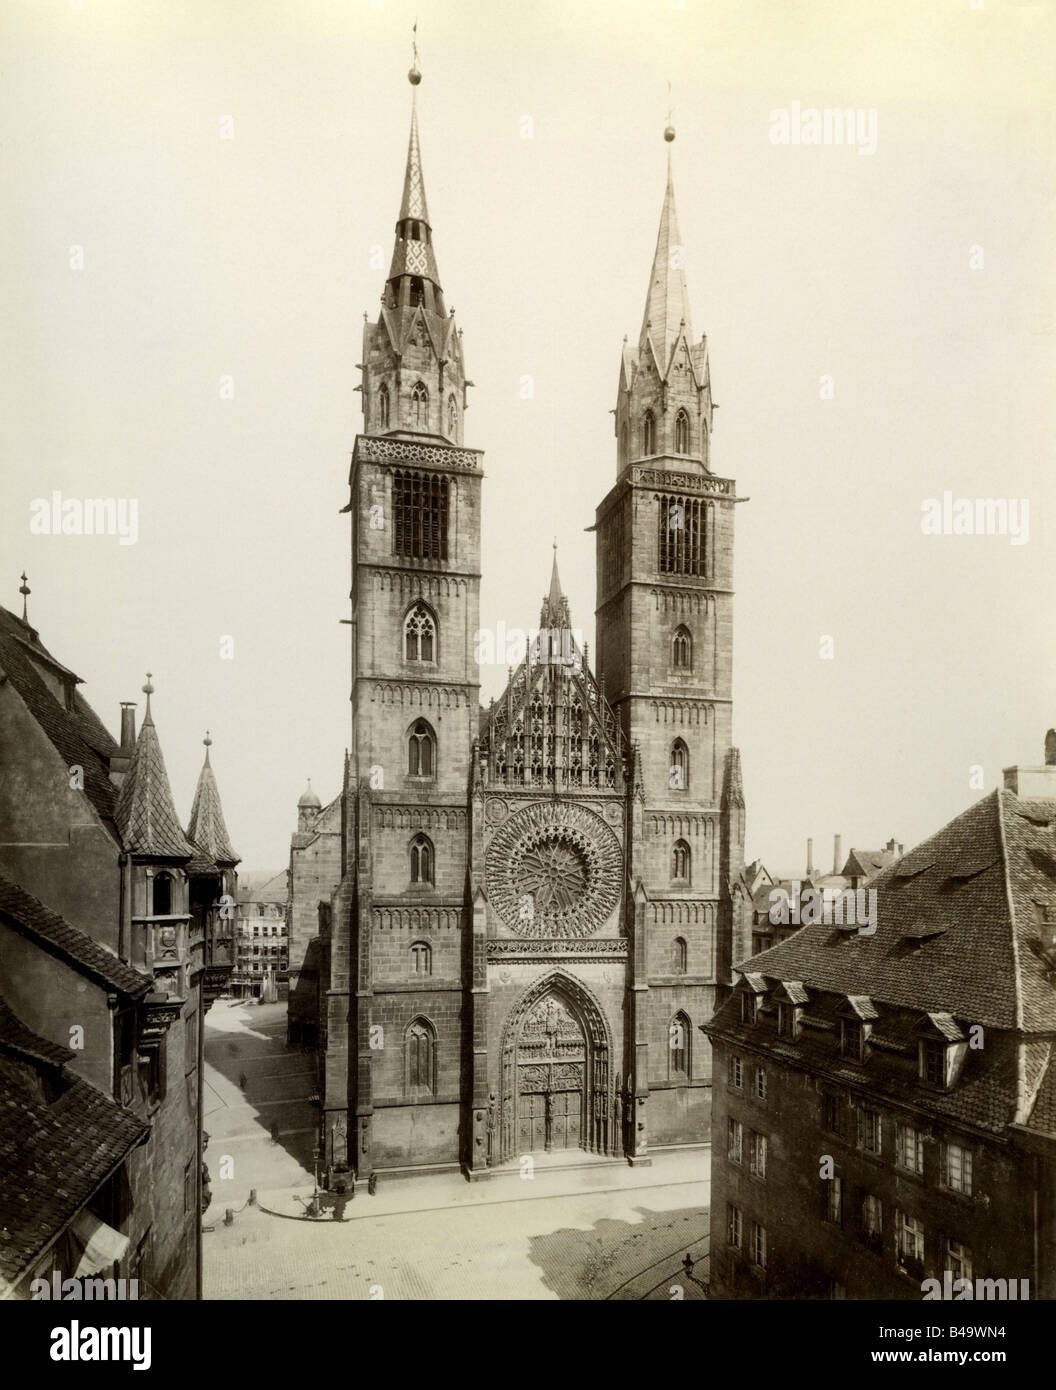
point(680, 861)
point(383, 408)
point(421, 958)
point(678, 1039)
point(678, 780)
point(420, 1057)
point(681, 955)
point(162, 895)
point(623, 443)
point(682, 649)
point(452, 416)
point(421, 750)
point(648, 433)
point(419, 634)
point(417, 295)
point(681, 433)
point(419, 405)
point(422, 860)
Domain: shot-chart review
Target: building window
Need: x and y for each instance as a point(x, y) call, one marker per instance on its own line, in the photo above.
point(679, 1033)
point(758, 1245)
point(933, 1057)
point(680, 861)
point(681, 955)
point(648, 433)
point(682, 649)
point(869, 1130)
point(834, 1201)
point(909, 1243)
point(420, 1053)
point(851, 1039)
point(419, 406)
point(756, 1154)
point(872, 1220)
point(681, 540)
point(422, 861)
point(909, 1148)
point(421, 958)
point(623, 442)
point(452, 416)
point(734, 1140)
point(733, 1226)
point(735, 1072)
point(957, 1168)
point(747, 1007)
point(679, 777)
point(416, 297)
point(161, 895)
point(421, 750)
point(681, 433)
point(957, 1258)
point(786, 1020)
point(419, 504)
point(419, 634)
point(832, 1111)
point(759, 1083)
point(383, 408)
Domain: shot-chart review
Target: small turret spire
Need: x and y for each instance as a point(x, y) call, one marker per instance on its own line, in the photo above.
point(25, 591)
point(148, 691)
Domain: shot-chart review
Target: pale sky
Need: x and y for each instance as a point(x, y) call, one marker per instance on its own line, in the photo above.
point(250, 258)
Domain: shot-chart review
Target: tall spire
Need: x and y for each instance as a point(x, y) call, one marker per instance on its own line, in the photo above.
point(667, 303)
point(555, 611)
point(413, 253)
point(207, 829)
point(145, 812)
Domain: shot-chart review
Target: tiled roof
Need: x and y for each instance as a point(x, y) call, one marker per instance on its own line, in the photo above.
point(77, 734)
point(985, 965)
point(207, 831)
point(29, 916)
point(868, 861)
point(145, 810)
point(16, 1038)
point(53, 1157)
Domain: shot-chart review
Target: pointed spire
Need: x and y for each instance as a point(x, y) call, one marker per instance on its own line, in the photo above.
point(25, 591)
point(413, 253)
point(555, 612)
point(667, 303)
point(145, 811)
point(207, 830)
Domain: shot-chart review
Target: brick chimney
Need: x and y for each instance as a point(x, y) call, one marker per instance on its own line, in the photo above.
point(810, 858)
point(1035, 781)
point(120, 760)
point(837, 854)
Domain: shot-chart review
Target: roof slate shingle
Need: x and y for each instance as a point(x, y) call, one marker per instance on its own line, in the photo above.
point(146, 813)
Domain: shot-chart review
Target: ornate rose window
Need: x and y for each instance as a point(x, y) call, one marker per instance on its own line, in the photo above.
point(553, 869)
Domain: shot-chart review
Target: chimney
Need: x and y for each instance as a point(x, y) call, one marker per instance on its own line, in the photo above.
point(893, 847)
point(837, 856)
point(810, 858)
point(120, 760)
point(1035, 781)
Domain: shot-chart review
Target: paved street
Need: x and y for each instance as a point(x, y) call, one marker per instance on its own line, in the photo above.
point(576, 1229)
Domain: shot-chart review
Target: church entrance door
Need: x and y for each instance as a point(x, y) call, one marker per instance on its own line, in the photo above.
point(551, 1078)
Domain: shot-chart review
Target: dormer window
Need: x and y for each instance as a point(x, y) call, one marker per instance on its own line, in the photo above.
point(747, 1007)
point(787, 1022)
point(934, 1056)
point(852, 1039)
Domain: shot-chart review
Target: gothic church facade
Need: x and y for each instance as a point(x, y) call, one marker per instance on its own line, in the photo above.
point(534, 905)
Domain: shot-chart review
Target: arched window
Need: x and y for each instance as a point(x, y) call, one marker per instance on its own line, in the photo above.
point(419, 406)
point(681, 433)
point(623, 442)
point(419, 634)
point(452, 416)
point(422, 860)
point(383, 408)
point(681, 955)
point(161, 895)
point(648, 433)
point(680, 861)
point(682, 649)
point(421, 750)
point(419, 1050)
point(678, 778)
point(421, 958)
point(417, 294)
point(679, 1038)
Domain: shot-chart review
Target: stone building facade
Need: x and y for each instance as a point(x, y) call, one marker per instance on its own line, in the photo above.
point(885, 1103)
point(536, 902)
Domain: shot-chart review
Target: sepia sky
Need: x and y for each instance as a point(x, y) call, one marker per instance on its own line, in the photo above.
point(250, 258)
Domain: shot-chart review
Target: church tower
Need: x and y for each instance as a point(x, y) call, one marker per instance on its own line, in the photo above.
point(394, 1031)
point(664, 654)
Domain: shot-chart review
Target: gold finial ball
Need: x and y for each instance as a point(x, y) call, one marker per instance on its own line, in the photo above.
point(669, 133)
point(414, 77)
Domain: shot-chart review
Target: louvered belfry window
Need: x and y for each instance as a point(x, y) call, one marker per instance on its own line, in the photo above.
point(681, 545)
point(419, 503)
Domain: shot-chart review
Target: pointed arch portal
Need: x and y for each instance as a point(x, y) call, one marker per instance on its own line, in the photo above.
point(556, 1083)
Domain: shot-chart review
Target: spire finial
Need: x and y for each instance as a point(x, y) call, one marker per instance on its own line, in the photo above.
point(208, 744)
point(25, 591)
point(148, 691)
point(414, 76)
point(669, 129)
